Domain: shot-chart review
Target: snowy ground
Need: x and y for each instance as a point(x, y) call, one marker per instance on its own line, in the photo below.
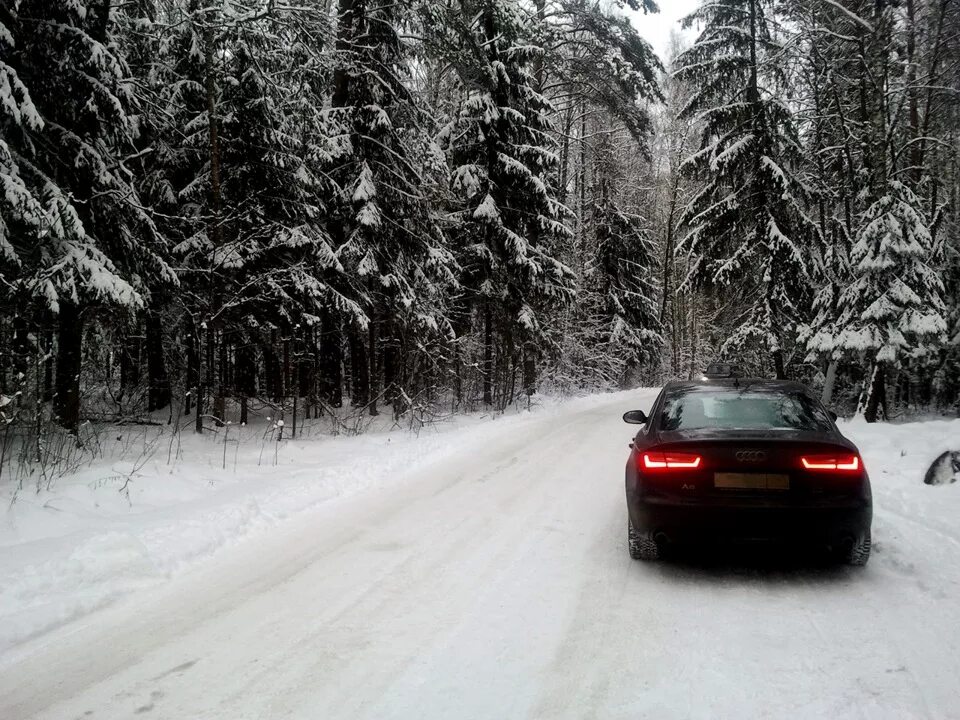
point(480, 572)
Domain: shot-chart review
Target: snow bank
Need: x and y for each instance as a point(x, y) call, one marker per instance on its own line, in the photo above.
point(84, 543)
point(897, 457)
point(67, 551)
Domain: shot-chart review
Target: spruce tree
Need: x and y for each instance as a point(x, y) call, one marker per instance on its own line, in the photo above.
point(894, 307)
point(624, 272)
point(747, 227)
point(83, 237)
point(387, 239)
point(504, 162)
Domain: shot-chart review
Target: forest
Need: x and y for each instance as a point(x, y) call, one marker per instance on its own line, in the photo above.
point(215, 209)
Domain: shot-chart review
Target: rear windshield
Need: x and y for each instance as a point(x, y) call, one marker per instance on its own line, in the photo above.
point(742, 409)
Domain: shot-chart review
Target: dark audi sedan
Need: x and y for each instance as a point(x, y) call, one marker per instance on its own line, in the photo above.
point(745, 459)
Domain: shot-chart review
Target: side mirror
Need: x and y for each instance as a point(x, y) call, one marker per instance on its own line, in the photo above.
point(635, 417)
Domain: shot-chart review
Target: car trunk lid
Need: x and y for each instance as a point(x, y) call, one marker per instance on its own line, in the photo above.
point(766, 463)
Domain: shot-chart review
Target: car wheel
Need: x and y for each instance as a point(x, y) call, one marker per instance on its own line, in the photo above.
point(642, 546)
point(859, 552)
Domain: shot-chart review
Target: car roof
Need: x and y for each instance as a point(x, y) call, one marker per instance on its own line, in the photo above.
point(754, 383)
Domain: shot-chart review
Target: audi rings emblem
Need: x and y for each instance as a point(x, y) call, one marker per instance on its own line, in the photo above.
point(751, 456)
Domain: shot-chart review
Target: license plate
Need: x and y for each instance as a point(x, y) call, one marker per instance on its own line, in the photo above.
point(751, 481)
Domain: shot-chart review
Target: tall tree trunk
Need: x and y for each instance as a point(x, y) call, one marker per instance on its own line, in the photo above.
point(222, 373)
point(668, 246)
point(213, 132)
point(47, 395)
point(529, 369)
point(288, 386)
point(296, 383)
point(246, 379)
point(829, 382)
point(331, 361)
point(273, 369)
point(565, 154)
point(359, 370)
point(694, 345)
point(129, 359)
point(349, 14)
point(932, 82)
point(916, 171)
point(66, 400)
point(875, 404)
point(487, 354)
point(20, 346)
point(458, 369)
point(202, 370)
point(374, 370)
point(391, 368)
point(213, 388)
point(193, 371)
point(158, 381)
point(204, 374)
point(778, 364)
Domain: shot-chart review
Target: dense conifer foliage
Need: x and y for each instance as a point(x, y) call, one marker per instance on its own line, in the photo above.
point(361, 206)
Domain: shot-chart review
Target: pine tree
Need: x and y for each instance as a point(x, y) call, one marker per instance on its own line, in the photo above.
point(503, 158)
point(239, 178)
point(624, 272)
point(84, 238)
point(388, 240)
point(894, 307)
point(827, 62)
point(881, 298)
point(594, 56)
point(747, 228)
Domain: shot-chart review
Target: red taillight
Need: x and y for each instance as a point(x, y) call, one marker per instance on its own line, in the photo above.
point(669, 461)
point(831, 463)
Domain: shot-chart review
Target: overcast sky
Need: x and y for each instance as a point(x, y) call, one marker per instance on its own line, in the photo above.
point(656, 28)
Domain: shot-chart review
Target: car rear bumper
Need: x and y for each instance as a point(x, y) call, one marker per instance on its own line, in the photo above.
point(677, 521)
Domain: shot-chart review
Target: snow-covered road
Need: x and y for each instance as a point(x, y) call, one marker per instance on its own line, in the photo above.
point(497, 585)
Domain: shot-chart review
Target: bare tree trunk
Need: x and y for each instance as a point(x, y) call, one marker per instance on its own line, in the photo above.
point(47, 394)
point(213, 139)
point(216, 228)
point(221, 373)
point(331, 361)
point(372, 356)
point(391, 368)
point(66, 399)
point(778, 364)
point(245, 380)
point(487, 354)
point(875, 404)
point(193, 371)
point(157, 379)
point(349, 13)
point(829, 382)
point(693, 336)
point(565, 154)
point(668, 245)
point(360, 370)
point(458, 369)
point(529, 369)
point(288, 385)
point(913, 103)
point(201, 388)
point(129, 359)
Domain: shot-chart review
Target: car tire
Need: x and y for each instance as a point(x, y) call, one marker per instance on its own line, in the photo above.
point(642, 546)
point(859, 552)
